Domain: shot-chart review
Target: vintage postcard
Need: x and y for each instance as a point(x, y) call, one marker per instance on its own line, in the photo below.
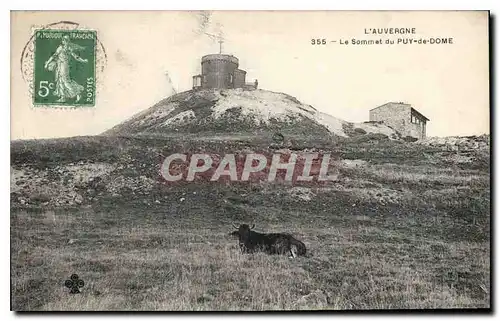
point(250, 160)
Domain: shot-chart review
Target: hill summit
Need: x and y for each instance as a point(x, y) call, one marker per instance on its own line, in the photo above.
point(239, 111)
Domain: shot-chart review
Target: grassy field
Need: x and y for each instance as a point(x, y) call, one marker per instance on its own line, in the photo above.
point(407, 233)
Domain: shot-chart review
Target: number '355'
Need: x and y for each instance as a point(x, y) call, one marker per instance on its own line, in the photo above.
point(318, 41)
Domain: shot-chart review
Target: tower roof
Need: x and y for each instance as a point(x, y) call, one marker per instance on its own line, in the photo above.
point(225, 57)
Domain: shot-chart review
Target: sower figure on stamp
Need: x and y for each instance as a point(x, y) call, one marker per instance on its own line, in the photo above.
point(59, 63)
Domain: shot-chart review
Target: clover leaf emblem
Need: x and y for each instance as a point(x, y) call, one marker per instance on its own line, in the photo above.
point(74, 283)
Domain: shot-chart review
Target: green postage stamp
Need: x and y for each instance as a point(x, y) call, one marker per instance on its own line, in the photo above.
point(64, 68)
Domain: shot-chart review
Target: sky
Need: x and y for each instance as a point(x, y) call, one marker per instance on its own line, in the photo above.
point(448, 83)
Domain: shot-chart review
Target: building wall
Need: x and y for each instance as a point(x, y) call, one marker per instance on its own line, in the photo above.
point(218, 70)
point(415, 130)
point(395, 115)
point(197, 81)
point(398, 116)
point(239, 78)
point(418, 125)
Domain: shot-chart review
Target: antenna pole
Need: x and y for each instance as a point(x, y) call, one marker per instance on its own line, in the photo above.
point(220, 45)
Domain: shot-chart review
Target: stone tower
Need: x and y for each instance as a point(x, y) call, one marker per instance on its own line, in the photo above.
point(220, 71)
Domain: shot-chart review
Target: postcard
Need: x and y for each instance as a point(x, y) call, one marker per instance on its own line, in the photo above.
point(250, 160)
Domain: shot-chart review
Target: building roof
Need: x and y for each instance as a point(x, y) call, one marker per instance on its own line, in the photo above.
point(225, 57)
point(418, 113)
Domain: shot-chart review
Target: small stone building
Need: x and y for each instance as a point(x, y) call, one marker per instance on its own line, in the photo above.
point(221, 71)
point(401, 117)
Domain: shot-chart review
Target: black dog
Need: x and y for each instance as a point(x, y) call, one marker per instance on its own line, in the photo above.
point(272, 243)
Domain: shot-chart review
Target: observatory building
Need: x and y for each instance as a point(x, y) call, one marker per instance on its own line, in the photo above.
point(402, 117)
point(221, 71)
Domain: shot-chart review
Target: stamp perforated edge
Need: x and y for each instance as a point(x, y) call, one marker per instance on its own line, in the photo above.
point(57, 105)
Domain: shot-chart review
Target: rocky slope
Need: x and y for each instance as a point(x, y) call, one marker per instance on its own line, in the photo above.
point(458, 142)
point(240, 111)
point(84, 170)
